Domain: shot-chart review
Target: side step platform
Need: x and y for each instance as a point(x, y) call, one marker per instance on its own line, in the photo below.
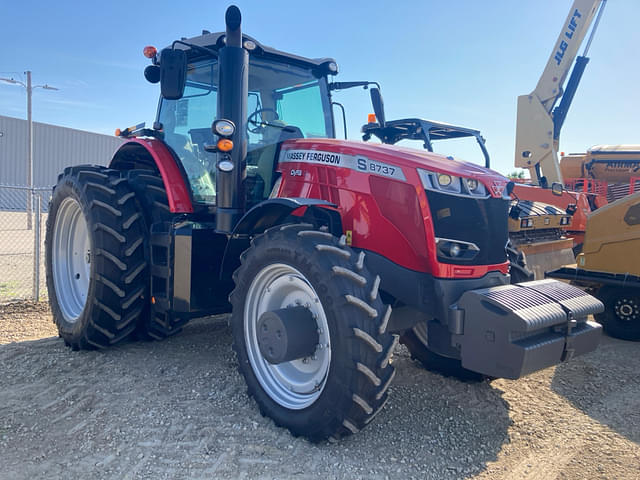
point(162, 322)
point(512, 330)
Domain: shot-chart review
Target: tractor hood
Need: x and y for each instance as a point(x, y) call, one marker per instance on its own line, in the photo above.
point(405, 158)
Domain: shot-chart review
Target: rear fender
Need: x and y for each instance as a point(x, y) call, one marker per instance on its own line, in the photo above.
point(152, 153)
point(277, 211)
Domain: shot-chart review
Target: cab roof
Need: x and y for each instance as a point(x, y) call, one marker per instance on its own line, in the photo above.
point(215, 41)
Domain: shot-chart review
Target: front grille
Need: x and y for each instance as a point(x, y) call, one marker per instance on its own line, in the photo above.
point(482, 221)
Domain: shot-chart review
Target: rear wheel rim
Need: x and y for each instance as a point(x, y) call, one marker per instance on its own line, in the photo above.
point(299, 383)
point(627, 309)
point(71, 259)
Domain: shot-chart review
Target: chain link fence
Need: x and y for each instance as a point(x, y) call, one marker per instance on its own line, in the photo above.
point(22, 227)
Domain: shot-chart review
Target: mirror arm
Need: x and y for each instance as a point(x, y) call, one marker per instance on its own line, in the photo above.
point(345, 85)
point(344, 117)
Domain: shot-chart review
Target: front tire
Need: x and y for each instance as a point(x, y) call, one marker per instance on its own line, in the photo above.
point(416, 342)
point(518, 265)
point(340, 388)
point(95, 259)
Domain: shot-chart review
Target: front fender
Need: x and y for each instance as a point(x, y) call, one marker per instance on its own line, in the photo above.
point(272, 212)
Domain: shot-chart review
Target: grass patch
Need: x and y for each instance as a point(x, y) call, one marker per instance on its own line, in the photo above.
point(9, 290)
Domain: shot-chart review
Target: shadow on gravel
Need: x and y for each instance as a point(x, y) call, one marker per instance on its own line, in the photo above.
point(605, 385)
point(179, 409)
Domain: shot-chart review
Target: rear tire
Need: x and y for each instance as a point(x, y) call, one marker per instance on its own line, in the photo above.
point(95, 257)
point(151, 193)
point(621, 316)
point(338, 390)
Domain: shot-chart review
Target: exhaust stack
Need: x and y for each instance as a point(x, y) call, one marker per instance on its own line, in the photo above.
point(233, 84)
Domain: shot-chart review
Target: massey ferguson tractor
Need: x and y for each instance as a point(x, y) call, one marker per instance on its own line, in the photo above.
point(326, 252)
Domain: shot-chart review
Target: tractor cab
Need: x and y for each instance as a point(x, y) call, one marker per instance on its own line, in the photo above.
point(287, 98)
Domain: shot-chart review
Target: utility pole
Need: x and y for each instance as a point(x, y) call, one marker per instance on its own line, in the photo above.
point(30, 151)
point(29, 88)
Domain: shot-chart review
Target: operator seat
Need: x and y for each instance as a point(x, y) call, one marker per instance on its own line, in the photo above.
point(266, 162)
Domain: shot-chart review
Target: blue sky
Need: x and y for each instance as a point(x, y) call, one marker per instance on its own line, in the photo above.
point(461, 62)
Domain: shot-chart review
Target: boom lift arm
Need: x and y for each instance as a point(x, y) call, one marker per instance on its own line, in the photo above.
point(538, 122)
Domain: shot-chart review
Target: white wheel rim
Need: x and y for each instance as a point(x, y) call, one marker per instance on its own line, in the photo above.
point(71, 259)
point(296, 384)
point(420, 330)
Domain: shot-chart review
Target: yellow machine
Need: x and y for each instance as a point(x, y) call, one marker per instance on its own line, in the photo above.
point(609, 265)
point(615, 167)
point(537, 230)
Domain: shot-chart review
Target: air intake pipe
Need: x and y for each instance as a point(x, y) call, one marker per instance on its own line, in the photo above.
point(233, 84)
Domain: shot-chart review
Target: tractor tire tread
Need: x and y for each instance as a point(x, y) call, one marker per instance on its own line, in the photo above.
point(112, 302)
point(346, 296)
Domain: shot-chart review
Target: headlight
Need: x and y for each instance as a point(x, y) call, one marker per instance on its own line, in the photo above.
point(475, 187)
point(444, 180)
point(450, 183)
point(450, 249)
point(223, 128)
point(249, 45)
point(526, 223)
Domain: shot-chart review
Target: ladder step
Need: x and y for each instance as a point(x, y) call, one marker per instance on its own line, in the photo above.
point(161, 303)
point(160, 271)
point(160, 240)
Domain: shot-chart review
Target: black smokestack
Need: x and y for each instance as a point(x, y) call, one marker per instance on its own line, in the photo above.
point(233, 84)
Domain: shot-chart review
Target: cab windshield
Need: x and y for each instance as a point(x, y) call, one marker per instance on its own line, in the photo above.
point(285, 101)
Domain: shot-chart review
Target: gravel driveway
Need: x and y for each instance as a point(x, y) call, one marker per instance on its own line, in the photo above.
point(178, 409)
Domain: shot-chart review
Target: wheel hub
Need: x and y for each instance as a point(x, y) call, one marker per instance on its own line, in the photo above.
point(295, 383)
point(627, 309)
point(287, 334)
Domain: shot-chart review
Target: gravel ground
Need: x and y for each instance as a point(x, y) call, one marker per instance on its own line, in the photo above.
point(178, 409)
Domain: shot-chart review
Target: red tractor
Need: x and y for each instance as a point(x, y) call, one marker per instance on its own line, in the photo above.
point(307, 240)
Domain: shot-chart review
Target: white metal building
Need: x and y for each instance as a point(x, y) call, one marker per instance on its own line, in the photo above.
point(54, 148)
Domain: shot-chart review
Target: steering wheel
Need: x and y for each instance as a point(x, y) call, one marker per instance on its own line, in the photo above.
point(258, 127)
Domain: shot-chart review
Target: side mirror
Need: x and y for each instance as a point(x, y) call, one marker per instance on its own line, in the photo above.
point(378, 105)
point(557, 189)
point(509, 188)
point(173, 73)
